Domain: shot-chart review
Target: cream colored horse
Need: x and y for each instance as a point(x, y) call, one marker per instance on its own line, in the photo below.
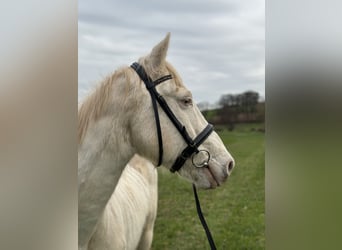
point(128, 219)
point(117, 121)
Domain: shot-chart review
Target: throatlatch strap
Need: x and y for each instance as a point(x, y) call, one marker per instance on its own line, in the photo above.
point(202, 219)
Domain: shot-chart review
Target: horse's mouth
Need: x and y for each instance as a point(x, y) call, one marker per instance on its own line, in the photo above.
point(214, 183)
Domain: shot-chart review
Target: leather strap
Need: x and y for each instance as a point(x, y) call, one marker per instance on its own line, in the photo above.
point(202, 219)
point(189, 150)
point(156, 97)
point(150, 85)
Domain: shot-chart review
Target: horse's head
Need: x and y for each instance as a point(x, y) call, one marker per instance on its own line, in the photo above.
point(179, 100)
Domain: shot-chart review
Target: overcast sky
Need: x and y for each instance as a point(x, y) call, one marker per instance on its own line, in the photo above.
point(218, 47)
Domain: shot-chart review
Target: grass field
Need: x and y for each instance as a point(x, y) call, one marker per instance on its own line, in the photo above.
point(235, 212)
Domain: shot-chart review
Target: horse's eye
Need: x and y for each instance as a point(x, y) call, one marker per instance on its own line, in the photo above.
point(187, 101)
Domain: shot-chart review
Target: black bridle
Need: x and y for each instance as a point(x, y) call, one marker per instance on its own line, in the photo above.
point(193, 144)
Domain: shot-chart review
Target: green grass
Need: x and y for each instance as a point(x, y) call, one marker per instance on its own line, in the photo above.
point(235, 212)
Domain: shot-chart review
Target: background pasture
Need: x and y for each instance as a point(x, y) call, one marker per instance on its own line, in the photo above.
point(235, 212)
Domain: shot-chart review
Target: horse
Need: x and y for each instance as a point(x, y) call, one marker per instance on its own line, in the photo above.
point(128, 219)
point(119, 120)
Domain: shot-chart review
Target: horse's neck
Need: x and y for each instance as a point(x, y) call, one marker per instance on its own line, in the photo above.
point(102, 157)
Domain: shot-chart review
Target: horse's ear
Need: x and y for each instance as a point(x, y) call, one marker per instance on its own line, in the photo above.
point(158, 53)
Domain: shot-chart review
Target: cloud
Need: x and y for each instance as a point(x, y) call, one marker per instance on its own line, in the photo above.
point(217, 46)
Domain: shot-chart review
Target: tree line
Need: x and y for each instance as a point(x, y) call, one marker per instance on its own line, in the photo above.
point(236, 108)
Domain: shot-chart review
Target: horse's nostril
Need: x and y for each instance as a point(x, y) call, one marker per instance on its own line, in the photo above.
point(230, 166)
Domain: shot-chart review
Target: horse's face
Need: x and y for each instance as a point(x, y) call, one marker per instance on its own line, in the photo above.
point(182, 105)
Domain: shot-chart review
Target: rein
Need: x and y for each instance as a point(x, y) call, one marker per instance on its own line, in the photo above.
point(193, 144)
point(202, 219)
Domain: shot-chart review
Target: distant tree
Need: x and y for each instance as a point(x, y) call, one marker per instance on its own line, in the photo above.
point(260, 114)
point(249, 101)
point(228, 111)
point(238, 107)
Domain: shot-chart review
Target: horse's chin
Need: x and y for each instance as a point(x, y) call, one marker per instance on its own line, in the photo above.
point(203, 178)
point(207, 180)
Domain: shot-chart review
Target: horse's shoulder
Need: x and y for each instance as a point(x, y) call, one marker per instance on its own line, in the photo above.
point(145, 168)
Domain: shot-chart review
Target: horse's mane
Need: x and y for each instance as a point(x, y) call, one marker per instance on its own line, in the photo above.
point(95, 105)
